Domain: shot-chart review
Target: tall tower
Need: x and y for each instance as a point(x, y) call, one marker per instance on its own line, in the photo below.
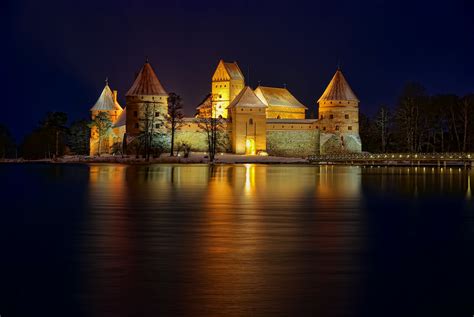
point(227, 82)
point(146, 95)
point(249, 123)
point(107, 103)
point(339, 117)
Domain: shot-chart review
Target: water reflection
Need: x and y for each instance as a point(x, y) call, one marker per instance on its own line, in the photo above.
point(236, 239)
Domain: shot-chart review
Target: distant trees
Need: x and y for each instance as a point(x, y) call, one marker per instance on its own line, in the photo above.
point(48, 139)
point(78, 137)
point(7, 143)
point(102, 125)
point(55, 125)
point(213, 127)
point(175, 117)
point(421, 123)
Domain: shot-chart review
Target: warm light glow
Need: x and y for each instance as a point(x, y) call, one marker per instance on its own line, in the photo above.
point(250, 147)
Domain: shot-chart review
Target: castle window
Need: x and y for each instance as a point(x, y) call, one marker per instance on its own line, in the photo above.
point(349, 128)
point(346, 116)
point(152, 98)
point(241, 109)
point(220, 107)
point(331, 116)
point(250, 109)
point(339, 102)
point(324, 128)
point(337, 128)
point(136, 125)
point(317, 127)
point(250, 121)
point(322, 117)
point(157, 125)
point(278, 117)
point(135, 114)
point(292, 127)
point(157, 114)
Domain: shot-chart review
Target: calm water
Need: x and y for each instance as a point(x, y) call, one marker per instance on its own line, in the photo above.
point(235, 240)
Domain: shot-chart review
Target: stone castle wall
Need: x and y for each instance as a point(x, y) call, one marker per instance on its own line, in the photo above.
point(340, 143)
point(296, 143)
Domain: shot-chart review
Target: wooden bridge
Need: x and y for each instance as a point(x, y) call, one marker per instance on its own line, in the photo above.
point(396, 159)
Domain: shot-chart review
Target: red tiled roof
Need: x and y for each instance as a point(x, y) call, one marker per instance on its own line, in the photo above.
point(146, 83)
point(338, 89)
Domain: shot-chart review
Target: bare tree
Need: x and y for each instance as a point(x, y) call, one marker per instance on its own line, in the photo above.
point(467, 103)
point(103, 126)
point(382, 122)
point(212, 126)
point(175, 117)
point(151, 121)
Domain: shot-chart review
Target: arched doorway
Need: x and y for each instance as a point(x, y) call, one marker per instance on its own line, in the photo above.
point(250, 146)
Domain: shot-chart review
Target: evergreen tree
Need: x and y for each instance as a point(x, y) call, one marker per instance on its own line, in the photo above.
point(79, 136)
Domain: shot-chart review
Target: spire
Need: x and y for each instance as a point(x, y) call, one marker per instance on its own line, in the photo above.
point(106, 101)
point(106, 81)
point(338, 89)
point(146, 83)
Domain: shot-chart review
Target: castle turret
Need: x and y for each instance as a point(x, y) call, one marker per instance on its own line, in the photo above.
point(339, 117)
point(107, 103)
point(227, 82)
point(144, 99)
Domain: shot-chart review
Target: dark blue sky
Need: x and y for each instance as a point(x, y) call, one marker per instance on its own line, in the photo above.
point(58, 53)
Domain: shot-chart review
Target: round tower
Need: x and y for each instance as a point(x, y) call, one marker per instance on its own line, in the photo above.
point(338, 117)
point(146, 98)
point(107, 103)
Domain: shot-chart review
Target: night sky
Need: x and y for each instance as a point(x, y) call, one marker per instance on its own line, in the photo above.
point(58, 53)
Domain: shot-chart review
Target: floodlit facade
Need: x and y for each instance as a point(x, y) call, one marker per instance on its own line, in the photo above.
point(107, 103)
point(265, 120)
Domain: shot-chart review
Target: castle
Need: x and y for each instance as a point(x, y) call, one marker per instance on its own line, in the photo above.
point(262, 120)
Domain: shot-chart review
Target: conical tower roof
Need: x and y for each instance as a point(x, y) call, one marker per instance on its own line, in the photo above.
point(106, 100)
point(146, 83)
point(247, 98)
point(338, 89)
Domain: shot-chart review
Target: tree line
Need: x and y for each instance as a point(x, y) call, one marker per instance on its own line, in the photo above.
point(52, 137)
point(420, 122)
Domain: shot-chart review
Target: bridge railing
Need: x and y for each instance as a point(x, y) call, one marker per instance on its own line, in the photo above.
point(344, 157)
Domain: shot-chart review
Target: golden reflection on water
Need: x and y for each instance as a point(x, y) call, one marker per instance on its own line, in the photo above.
point(236, 239)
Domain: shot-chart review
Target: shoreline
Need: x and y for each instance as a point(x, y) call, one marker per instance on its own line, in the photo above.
point(194, 158)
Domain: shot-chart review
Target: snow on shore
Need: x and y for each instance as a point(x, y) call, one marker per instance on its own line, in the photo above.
point(195, 157)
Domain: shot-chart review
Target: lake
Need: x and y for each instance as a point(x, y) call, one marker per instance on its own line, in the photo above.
point(235, 240)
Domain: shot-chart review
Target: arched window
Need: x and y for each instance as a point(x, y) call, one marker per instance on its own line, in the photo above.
point(250, 121)
point(278, 117)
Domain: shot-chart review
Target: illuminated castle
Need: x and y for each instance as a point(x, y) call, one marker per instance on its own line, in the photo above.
point(265, 119)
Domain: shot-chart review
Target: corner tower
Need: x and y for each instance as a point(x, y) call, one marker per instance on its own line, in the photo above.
point(145, 96)
point(107, 103)
point(227, 82)
point(339, 117)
